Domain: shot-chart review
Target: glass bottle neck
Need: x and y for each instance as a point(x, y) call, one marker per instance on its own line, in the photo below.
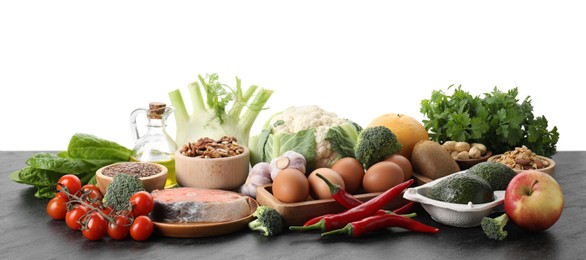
point(157, 123)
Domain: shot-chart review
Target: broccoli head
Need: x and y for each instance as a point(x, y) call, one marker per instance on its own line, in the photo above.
point(375, 144)
point(119, 191)
point(493, 227)
point(268, 221)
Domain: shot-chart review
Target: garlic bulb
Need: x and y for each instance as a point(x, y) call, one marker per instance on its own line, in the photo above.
point(289, 159)
point(259, 175)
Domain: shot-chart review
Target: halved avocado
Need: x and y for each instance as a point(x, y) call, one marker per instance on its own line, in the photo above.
point(462, 188)
point(496, 174)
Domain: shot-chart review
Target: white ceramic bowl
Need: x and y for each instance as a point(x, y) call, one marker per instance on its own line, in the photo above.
point(453, 214)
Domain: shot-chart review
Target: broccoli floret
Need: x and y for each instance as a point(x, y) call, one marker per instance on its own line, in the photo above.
point(268, 221)
point(119, 191)
point(493, 227)
point(375, 144)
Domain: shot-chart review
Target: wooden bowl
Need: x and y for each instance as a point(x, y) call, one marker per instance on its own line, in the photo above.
point(150, 183)
point(467, 163)
point(227, 173)
point(549, 169)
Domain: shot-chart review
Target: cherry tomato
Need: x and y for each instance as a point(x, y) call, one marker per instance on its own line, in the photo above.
point(142, 228)
point(61, 195)
point(70, 181)
point(107, 211)
point(57, 208)
point(119, 229)
point(93, 192)
point(73, 217)
point(96, 227)
point(142, 203)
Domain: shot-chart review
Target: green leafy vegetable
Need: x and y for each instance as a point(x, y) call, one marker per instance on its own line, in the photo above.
point(85, 146)
point(343, 138)
point(319, 135)
point(86, 154)
point(497, 120)
point(374, 144)
point(302, 142)
point(212, 118)
point(52, 162)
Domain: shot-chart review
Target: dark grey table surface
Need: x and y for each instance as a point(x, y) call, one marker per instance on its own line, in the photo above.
point(27, 232)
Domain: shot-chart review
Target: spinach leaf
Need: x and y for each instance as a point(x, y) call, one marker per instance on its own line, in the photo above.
point(45, 192)
point(34, 176)
point(52, 162)
point(99, 163)
point(15, 176)
point(85, 146)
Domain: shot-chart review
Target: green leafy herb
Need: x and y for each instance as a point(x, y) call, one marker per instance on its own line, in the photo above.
point(497, 120)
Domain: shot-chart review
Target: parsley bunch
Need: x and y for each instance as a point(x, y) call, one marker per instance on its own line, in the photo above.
point(497, 120)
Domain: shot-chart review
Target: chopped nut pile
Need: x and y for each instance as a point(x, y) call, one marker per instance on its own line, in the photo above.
point(522, 159)
point(209, 148)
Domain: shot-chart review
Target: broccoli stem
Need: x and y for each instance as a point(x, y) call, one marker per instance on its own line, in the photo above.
point(494, 227)
point(256, 225)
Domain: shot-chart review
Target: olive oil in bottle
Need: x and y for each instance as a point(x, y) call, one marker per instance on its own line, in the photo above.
point(155, 145)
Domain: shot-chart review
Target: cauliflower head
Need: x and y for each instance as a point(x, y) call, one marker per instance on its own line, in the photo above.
point(295, 119)
point(320, 136)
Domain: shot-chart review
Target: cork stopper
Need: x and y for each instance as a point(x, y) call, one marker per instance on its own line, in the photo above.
point(156, 110)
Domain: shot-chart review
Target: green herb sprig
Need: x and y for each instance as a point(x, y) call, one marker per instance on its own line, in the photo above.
point(496, 119)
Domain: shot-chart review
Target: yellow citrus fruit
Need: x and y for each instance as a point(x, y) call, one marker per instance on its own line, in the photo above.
point(408, 130)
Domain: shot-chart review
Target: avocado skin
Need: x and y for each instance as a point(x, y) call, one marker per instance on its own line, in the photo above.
point(461, 189)
point(496, 174)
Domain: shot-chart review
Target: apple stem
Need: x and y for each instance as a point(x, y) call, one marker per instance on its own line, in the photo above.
point(532, 187)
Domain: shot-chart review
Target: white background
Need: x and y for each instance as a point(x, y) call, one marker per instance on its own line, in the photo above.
point(81, 66)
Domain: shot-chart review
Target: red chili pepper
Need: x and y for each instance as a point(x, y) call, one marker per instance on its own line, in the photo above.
point(373, 223)
point(405, 208)
point(367, 209)
point(348, 201)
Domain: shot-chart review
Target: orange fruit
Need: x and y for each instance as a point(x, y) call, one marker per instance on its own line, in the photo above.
point(408, 130)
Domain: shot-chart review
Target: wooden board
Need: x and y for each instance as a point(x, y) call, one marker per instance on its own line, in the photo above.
point(297, 213)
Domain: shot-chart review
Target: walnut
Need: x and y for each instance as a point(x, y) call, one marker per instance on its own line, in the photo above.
point(209, 148)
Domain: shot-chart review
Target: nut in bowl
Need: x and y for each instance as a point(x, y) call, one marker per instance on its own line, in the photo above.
point(153, 176)
point(467, 163)
point(225, 172)
point(549, 169)
point(522, 159)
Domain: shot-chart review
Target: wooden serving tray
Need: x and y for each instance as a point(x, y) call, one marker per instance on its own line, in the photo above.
point(299, 212)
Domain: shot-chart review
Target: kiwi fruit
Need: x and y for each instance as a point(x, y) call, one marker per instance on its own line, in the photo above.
point(432, 160)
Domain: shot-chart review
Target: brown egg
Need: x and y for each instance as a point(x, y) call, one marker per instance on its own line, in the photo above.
point(318, 187)
point(351, 171)
point(290, 186)
point(404, 163)
point(382, 176)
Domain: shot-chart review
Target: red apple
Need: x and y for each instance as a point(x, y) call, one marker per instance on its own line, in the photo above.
point(534, 200)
